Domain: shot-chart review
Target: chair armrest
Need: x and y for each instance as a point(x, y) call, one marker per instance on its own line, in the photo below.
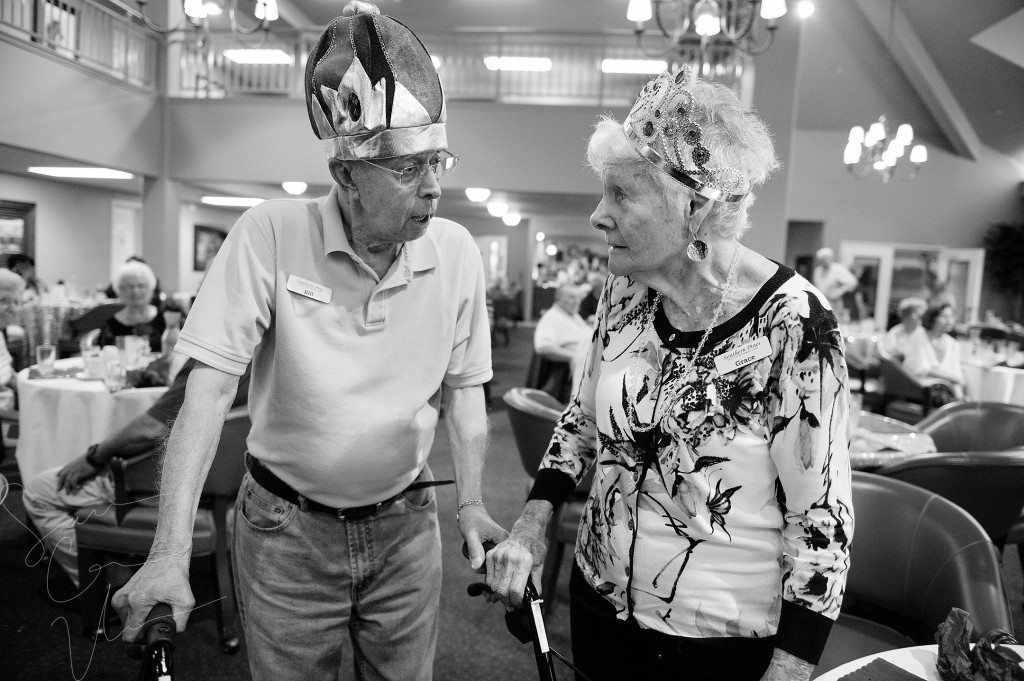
point(134, 477)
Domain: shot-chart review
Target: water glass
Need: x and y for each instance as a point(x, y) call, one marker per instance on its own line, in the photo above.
point(114, 376)
point(46, 355)
point(92, 362)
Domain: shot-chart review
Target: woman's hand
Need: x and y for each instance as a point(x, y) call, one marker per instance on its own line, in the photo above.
point(510, 563)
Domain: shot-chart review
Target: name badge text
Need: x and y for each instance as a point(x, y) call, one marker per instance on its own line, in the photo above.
point(310, 289)
point(745, 354)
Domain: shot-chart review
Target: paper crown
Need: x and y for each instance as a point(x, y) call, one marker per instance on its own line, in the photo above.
point(664, 127)
point(370, 85)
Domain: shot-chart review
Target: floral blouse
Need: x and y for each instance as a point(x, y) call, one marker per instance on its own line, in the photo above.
point(732, 516)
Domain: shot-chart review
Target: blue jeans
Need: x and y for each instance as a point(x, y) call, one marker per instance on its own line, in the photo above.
point(319, 596)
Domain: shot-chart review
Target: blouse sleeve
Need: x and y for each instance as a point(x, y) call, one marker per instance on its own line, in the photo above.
point(809, 407)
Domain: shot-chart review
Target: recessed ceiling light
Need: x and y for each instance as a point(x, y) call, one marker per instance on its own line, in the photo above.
point(539, 236)
point(231, 201)
point(82, 172)
point(517, 63)
point(511, 219)
point(295, 188)
point(646, 66)
point(478, 194)
point(497, 208)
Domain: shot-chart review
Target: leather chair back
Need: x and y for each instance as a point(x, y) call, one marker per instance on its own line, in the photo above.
point(975, 426)
point(533, 414)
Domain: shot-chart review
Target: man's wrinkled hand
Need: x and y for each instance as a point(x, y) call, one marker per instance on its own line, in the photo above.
point(163, 579)
point(477, 527)
point(71, 478)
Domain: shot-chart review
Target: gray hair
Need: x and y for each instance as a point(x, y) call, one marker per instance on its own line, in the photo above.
point(733, 135)
point(11, 281)
point(139, 269)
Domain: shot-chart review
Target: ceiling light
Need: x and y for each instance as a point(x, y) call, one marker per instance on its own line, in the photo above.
point(639, 11)
point(804, 9)
point(231, 201)
point(478, 194)
point(706, 20)
point(197, 11)
point(294, 188)
point(258, 56)
point(82, 172)
point(540, 236)
point(266, 10)
point(497, 208)
point(647, 66)
point(879, 150)
point(511, 219)
point(212, 9)
point(517, 63)
point(551, 250)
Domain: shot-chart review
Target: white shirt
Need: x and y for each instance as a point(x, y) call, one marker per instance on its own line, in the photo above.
point(559, 332)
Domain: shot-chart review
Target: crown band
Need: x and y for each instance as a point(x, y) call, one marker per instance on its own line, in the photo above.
point(655, 158)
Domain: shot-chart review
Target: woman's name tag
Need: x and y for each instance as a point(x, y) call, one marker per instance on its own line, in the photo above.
point(310, 289)
point(745, 354)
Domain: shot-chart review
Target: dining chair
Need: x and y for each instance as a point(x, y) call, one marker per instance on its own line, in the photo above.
point(551, 376)
point(987, 484)
point(533, 414)
point(904, 396)
point(914, 556)
point(130, 529)
point(975, 426)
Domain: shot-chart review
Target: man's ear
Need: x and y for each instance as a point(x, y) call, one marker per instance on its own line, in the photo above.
point(342, 173)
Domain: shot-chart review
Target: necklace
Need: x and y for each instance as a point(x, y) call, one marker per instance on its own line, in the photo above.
point(671, 398)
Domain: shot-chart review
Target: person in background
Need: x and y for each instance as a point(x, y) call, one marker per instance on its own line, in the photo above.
point(909, 332)
point(25, 267)
point(715, 540)
point(365, 318)
point(52, 496)
point(561, 337)
point(12, 336)
point(588, 306)
point(134, 282)
point(158, 295)
point(835, 280)
point(934, 358)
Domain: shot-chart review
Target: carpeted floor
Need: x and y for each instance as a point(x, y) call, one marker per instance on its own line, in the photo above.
point(41, 640)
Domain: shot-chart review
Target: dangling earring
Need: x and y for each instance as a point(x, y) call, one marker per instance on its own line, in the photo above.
point(697, 250)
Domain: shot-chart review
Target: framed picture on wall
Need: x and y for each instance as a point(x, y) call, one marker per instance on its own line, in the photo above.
point(207, 242)
point(17, 230)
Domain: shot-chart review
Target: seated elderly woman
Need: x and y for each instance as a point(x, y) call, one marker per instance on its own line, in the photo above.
point(908, 332)
point(934, 358)
point(135, 282)
point(713, 407)
point(12, 336)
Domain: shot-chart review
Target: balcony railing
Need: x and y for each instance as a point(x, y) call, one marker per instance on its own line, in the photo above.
point(90, 34)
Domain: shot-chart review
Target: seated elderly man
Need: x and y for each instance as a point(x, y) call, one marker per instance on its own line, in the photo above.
point(52, 496)
point(562, 336)
point(12, 336)
point(909, 332)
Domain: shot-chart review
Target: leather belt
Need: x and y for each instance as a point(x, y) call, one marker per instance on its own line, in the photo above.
point(275, 485)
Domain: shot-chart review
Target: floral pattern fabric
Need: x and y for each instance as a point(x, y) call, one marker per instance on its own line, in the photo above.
point(739, 498)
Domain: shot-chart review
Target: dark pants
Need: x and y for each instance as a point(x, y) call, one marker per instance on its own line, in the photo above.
point(609, 649)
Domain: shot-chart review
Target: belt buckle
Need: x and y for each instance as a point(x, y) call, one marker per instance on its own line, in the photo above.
point(359, 512)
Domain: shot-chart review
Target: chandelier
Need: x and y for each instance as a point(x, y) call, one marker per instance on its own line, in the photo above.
point(880, 151)
point(713, 32)
point(198, 13)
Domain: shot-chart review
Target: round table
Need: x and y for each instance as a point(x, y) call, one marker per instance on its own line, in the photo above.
point(878, 440)
point(919, 660)
point(58, 418)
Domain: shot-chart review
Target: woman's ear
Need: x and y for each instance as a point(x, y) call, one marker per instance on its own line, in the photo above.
point(695, 204)
point(342, 173)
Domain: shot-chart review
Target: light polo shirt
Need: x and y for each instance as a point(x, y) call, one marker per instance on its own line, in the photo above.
point(347, 368)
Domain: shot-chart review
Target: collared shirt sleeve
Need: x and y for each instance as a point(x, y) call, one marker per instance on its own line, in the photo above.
point(808, 443)
point(234, 306)
point(470, 362)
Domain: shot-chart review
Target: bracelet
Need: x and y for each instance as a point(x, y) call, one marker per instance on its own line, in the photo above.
point(468, 502)
point(90, 457)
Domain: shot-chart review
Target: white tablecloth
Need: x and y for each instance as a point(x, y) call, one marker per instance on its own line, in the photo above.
point(919, 660)
point(994, 384)
point(60, 417)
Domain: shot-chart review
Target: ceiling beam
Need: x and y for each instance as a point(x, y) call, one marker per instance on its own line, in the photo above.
point(914, 61)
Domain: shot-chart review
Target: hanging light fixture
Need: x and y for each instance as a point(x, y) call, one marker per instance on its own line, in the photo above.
point(198, 12)
point(879, 149)
point(716, 34)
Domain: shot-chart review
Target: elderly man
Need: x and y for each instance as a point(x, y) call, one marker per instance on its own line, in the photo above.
point(835, 280)
point(562, 337)
point(909, 332)
point(363, 316)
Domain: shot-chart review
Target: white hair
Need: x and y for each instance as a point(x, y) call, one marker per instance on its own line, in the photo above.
point(139, 269)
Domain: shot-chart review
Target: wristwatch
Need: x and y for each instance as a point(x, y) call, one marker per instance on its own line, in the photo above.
point(90, 457)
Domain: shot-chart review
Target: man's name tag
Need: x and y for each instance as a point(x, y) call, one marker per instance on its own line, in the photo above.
point(310, 289)
point(743, 355)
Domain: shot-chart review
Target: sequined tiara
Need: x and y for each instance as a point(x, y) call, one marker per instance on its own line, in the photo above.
point(664, 127)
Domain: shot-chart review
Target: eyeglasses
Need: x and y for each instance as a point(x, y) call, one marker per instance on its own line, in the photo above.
point(414, 174)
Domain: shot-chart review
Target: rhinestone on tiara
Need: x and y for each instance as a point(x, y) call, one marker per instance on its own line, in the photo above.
point(665, 127)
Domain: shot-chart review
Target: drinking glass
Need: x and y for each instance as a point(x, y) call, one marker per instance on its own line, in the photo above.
point(46, 355)
point(114, 377)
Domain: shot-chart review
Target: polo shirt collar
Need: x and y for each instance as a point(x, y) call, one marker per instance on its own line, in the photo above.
point(419, 255)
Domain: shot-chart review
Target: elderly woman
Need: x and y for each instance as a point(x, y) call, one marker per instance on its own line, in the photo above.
point(713, 404)
point(934, 358)
point(908, 332)
point(12, 287)
point(135, 283)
